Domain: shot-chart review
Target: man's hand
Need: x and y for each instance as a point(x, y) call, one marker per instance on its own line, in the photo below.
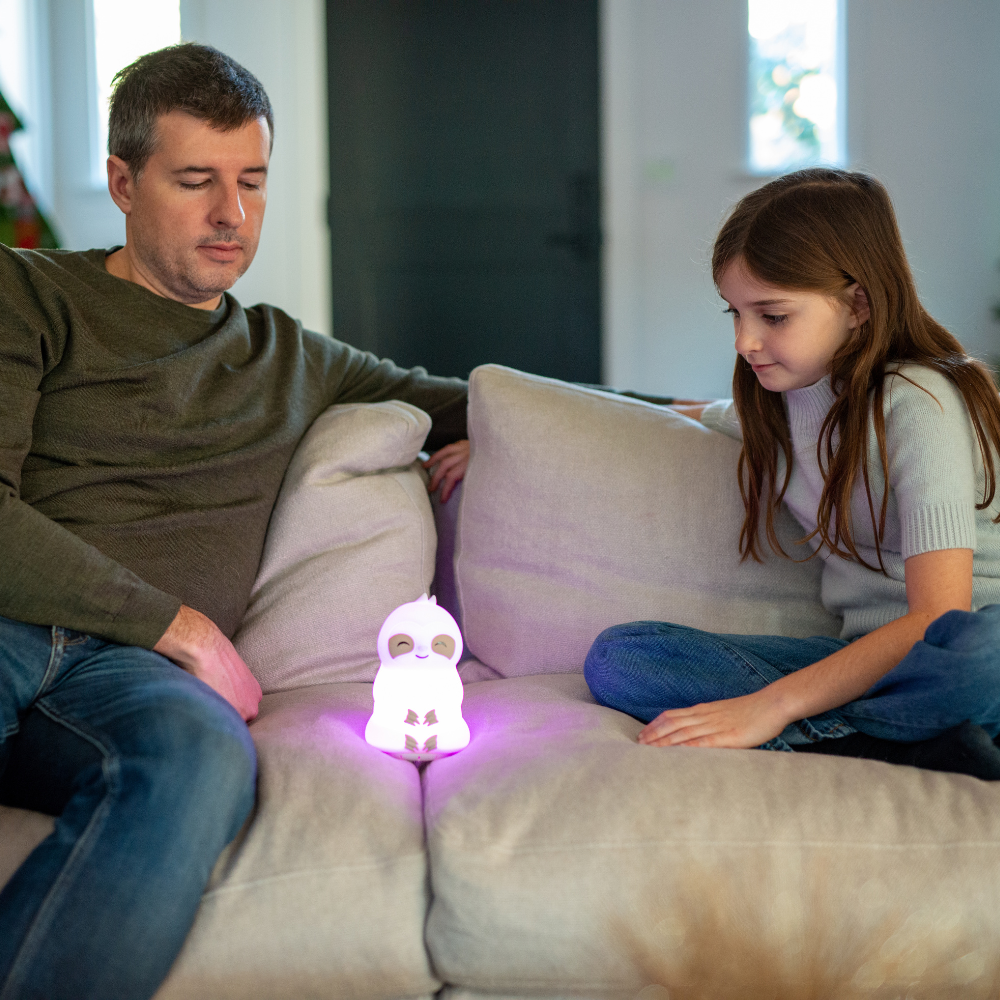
point(452, 460)
point(744, 722)
point(195, 643)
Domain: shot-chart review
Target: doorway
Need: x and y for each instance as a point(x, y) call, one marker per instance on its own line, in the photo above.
point(464, 179)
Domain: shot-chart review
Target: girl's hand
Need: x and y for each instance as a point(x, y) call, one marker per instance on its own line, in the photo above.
point(742, 722)
point(451, 461)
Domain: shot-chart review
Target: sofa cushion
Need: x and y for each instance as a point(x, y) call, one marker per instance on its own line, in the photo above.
point(21, 831)
point(351, 537)
point(582, 509)
point(567, 859)
point(325, 892)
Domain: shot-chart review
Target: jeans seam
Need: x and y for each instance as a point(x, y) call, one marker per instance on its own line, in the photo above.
point(35, 936)
point(733, 651)
point(55, 661)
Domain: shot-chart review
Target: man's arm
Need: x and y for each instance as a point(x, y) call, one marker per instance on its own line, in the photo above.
point(52, 577)
point(49, 575)
point(353, 376)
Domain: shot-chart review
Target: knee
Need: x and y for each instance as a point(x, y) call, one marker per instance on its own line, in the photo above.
point(620, 658)
point(200, 758)
point(602, 669)
point(969, 642)
point(968, 632)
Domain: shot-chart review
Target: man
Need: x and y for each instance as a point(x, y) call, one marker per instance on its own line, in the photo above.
point(146, 421)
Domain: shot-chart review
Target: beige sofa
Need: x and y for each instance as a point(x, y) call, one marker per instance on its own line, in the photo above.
point(555, 857)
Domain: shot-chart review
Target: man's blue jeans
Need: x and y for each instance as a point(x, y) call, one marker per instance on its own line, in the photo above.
point(953, 674)
point(151, 774)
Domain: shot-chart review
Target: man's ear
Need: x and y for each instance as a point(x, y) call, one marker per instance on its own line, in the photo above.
point(858, 299)
point(121, 184)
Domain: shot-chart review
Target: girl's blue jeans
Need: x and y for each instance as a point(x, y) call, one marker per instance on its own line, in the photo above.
point(953, 674)
point(150, 773)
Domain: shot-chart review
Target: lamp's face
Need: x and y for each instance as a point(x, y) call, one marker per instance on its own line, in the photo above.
point(418, 693)
point(420, 633)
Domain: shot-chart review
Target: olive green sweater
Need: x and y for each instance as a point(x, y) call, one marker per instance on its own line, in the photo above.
point(143, 442)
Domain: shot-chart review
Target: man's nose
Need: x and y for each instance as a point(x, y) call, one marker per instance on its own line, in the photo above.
point(227, 212)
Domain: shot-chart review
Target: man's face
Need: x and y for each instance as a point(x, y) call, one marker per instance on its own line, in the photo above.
point(194, 215)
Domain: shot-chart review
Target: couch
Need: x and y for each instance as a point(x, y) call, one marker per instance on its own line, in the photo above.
point(555, 856)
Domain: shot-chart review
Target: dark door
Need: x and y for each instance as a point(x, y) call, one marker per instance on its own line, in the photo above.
point(464, 182)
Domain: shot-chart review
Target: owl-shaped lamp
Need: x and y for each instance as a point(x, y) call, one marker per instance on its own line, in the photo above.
point(418, 693)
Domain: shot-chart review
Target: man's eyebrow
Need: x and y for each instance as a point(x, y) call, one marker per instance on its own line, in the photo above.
point(211, 170)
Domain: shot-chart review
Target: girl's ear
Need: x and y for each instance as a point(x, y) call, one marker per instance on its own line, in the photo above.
point(859, 304)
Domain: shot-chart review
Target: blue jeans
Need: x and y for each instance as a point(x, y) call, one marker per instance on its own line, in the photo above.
point(953, 674)
point(151, 774)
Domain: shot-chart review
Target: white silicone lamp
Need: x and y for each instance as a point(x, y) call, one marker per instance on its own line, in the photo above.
point(418, 693)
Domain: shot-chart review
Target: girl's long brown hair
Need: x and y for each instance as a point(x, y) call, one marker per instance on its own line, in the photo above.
point(822, 230)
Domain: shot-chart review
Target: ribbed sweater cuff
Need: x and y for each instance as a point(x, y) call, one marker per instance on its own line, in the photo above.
point(938, 526)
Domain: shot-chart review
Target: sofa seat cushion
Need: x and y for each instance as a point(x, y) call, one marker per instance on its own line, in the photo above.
point(582, 509)
point(567, 859)
point(325, 891)
point(21, 831)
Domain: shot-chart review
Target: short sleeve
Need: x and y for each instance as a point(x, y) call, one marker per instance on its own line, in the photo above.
point(934, 461)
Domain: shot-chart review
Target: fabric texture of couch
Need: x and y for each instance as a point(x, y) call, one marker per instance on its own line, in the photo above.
point(555, 856)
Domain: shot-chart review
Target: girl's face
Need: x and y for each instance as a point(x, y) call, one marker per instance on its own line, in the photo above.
point(789, 337)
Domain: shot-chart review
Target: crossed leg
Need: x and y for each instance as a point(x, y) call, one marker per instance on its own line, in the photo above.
point(951, 676)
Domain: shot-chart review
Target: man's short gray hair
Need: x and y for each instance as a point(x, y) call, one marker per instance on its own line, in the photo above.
point(196, 79)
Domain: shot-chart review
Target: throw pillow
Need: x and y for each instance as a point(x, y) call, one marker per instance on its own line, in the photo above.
point(582, 509)
point(351, 537)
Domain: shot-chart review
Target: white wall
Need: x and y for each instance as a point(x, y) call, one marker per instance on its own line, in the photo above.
point(924, 86)
point(283, 44)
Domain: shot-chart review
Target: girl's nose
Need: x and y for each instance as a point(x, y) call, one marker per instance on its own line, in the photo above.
point(746, 342)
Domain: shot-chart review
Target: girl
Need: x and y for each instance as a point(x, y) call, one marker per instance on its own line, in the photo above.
point(868, 419)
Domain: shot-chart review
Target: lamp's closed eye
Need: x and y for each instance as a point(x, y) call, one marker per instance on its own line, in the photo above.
point(399, 644)
point(444, 644)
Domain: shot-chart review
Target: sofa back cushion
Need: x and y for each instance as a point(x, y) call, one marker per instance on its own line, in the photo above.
point(582, 509)
point(351, 537)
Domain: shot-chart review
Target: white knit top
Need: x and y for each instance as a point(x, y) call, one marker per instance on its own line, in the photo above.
point(936, 477)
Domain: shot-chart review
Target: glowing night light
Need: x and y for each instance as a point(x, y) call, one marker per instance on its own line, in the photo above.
point(418, 693)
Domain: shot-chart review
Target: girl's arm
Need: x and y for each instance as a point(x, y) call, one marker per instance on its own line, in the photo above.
point(692, 408)
point(936, 582)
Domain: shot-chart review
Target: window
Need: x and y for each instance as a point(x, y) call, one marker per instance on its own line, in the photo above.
point(120, 35)
point(19, 78)
point(796, 84)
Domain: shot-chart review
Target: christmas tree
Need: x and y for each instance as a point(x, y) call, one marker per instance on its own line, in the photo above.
point(21, 224)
